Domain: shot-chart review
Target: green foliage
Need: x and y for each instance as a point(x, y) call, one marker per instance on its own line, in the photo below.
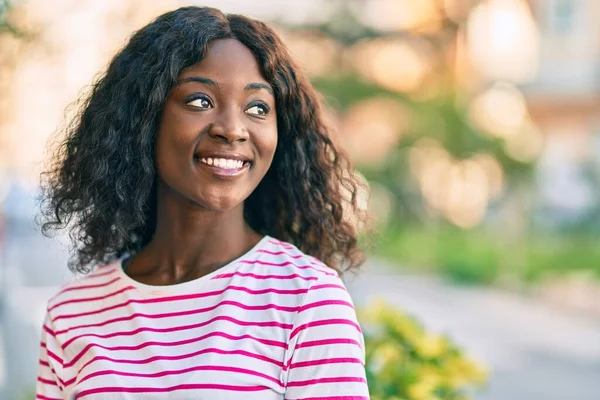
point(480, 257)
point(404, 362)
point(342, 91)
point(551, 256)
point(5, 25)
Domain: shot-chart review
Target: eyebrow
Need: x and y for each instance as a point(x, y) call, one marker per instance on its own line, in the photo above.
point(199, 79)
point(258, 86)
point(210, 82)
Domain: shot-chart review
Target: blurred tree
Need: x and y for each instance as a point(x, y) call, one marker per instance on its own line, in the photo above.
point(5, 24)
point(438, 108)
point(445, 168)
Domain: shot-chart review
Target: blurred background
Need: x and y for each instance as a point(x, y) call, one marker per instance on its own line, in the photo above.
point(476, 124)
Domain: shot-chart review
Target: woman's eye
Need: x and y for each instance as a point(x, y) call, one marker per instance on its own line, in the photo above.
point(200, 102)
point(258, 110)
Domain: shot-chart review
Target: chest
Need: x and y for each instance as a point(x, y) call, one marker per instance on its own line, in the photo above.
point(199, 348)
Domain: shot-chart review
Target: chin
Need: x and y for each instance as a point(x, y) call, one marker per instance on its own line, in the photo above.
point(221, 203)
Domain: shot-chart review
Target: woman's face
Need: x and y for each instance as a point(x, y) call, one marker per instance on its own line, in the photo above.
point(218, 131)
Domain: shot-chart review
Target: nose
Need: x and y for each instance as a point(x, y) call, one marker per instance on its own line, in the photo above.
point(228, 126)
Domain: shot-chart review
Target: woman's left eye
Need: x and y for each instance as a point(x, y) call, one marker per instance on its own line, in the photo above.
point(258, 110)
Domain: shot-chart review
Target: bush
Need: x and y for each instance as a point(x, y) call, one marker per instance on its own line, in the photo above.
point(404, 362)
point(478, 256)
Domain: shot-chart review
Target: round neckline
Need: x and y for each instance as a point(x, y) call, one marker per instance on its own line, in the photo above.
point(184, 286)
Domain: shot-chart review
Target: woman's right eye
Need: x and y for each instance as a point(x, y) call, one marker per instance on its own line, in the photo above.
point(202, 102)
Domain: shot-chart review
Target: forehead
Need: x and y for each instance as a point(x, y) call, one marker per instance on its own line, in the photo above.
point(227, 60)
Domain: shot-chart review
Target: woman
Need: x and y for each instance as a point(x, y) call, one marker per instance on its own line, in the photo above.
point(195, 160)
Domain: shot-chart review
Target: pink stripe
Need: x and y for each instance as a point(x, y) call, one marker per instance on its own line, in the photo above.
point(62, 383)
point(282, 244)
point(322, 342)
point(214, 386)
point(331, 321)
point(171, 344)
point(86, 299)
point(324, 268)
point(274, 324)
point(70, 382)
point(255, 276)
point(312, 363)
point(341, 379)
point(325, 303)
point(91, 276)
point(277, 253)
point(47, 382)
point(179, 314)
point(44, 363)
point(42, 397)
point(336, 398)
point(184, 356)
point(325, 342)
point(283, 264)
point(49, 331)
point(52, 355)
point(185, 297)
point(328, 286)
point(173, 358)
point(97, 274)
point(97, 285)
point(54, 373)
point(184, 371)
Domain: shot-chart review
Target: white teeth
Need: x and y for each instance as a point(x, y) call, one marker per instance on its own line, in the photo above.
point(223, 163)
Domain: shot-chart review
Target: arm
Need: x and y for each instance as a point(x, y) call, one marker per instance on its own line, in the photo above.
point(325, 357)
point(48, 385)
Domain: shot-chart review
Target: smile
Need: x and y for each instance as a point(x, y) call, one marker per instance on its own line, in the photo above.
point(224, 166)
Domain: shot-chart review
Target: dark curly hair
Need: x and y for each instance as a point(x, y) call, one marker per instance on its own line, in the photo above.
point(102, 183)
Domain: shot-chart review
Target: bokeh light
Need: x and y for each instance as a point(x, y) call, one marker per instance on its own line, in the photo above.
point(371, 129)
point(504, 40)
point(501, 110)
point(397, 65)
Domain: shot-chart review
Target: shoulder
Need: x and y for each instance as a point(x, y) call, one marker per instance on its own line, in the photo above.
point(284, 269)
point(288, 267)
point(96, 283)
point(280, 256)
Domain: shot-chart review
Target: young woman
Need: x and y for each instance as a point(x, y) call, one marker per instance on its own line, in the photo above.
point(196, 160)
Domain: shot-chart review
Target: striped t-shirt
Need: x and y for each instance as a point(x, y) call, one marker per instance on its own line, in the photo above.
point(273, 324)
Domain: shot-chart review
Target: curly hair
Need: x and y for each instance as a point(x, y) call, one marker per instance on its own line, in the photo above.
point(102, 182)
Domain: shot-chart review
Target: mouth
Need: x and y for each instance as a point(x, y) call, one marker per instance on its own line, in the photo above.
point(224, 166)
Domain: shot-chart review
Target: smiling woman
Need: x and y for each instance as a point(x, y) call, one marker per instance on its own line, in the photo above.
point(208, 208)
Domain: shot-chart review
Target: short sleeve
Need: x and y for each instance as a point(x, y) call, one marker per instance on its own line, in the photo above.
point(325, 356)
point(48, 386)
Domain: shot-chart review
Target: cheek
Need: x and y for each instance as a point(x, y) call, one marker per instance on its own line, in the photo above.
point(171, 155)
point(268, 143)
point(174, 137)
point(168, 150)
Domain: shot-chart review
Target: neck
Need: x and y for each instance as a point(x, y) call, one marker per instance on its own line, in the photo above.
point(190, 241)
